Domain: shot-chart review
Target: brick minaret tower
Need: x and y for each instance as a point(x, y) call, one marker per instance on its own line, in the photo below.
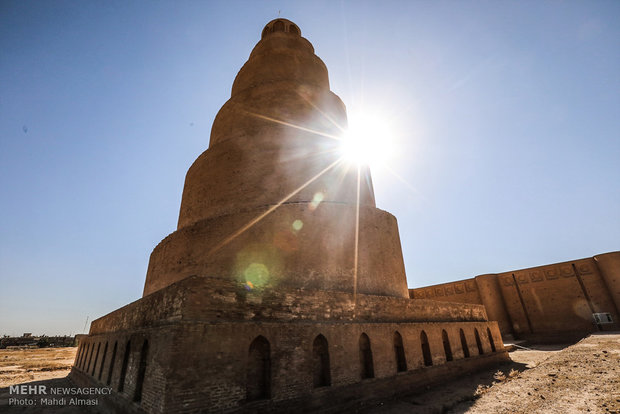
point(271, 202)
point(283, 288)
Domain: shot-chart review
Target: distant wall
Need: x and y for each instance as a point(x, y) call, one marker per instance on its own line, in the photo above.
point(552, 302)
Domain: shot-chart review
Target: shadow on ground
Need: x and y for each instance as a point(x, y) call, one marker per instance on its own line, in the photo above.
point(453, 397)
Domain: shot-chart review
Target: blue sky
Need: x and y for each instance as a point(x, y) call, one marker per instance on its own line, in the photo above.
point(507, 114)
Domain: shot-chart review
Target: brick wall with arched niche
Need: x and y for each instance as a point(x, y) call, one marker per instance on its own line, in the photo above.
point(263, 363)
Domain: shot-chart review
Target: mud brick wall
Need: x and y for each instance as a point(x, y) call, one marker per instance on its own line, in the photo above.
point(205, 365)
point(554, 301)
point(203, 298)
point(461, 291)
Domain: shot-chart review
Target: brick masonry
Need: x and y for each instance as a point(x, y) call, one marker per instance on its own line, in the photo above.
point(198, 360)
point(547, 303)
point(283, 288)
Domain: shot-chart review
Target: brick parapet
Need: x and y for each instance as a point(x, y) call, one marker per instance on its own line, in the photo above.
point(553, 302)
point(217, 300)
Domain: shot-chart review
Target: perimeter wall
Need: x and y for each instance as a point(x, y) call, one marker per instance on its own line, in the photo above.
point(546, 303)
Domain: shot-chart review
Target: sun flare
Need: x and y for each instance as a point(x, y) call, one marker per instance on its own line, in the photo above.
point(369, 140)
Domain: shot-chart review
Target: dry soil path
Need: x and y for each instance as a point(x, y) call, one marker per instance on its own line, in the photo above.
point(582, 378)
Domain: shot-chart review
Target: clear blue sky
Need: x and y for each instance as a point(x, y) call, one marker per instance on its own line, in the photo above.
point(508, 112)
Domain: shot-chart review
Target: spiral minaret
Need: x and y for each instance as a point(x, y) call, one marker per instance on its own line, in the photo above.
point(271, 202)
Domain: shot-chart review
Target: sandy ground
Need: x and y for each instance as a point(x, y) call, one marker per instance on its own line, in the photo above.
point(581, 378)
point(19, 366)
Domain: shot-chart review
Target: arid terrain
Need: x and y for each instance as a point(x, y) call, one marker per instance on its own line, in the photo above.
point(25, 365)
point(581, 378)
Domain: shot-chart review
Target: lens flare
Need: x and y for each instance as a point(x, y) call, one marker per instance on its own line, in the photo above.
point(316, 200)
point(297, 225)
point(256, 275)
point(259, 265)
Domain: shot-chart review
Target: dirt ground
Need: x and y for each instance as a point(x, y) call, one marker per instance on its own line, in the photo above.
point(581, 378)
point(562, 379)
point(24, 365)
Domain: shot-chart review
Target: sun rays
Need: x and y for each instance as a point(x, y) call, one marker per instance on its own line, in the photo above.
point(288, 124)
point(272, 208)
point(357, 233)
point(354, 150)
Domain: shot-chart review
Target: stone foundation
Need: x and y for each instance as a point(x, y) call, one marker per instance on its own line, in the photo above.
point(201, 357)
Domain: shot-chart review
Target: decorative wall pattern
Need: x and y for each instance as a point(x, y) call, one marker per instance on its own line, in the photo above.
point(552, 300)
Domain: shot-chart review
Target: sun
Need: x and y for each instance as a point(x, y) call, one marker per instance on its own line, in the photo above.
point(369, 140)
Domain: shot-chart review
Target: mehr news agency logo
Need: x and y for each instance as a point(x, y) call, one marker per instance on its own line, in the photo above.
point(42, 395)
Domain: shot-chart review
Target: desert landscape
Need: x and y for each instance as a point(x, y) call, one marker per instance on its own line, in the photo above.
point(19, 366)
point(579, 378)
